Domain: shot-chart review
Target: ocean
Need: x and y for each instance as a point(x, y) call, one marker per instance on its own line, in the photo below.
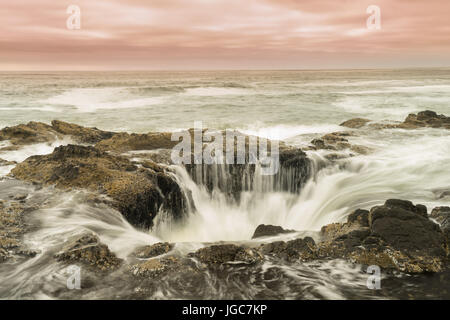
point(291, 106)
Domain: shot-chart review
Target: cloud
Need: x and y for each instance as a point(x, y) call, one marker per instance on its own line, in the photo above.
point(208, 34)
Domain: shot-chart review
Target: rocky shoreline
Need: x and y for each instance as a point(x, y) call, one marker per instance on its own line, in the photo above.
point(397, 236)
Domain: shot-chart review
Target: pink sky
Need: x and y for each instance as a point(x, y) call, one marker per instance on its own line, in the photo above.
point(223, 34)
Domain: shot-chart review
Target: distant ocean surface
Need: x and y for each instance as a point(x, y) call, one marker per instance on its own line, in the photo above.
point(278, 104)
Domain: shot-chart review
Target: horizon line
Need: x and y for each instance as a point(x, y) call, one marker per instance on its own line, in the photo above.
point(206, 70)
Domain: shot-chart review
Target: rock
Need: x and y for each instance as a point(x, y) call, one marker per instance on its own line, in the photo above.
point(154, 250)
point(268, 230)
point(406, 230)
point(426, 119)
point(442, 216)
point(8, 243)
point(6, 163)
point(355, 123)
point(20, 197)
point(294, 170)
point(226, 253)
point(360, 149)
point(32, 132)
point(88, 250)
point(303, 249)
point(407, 205)
point(444, 194)
point(81, 134)
point(3, 255)
point(361, 216)
point(12, 227)
point(338, 141)
point(397, 235)
point(123, 142)
point(38, 132)
point(137, 193)
point(156, 267)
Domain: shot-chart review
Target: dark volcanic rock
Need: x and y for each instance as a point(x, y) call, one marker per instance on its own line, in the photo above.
point(303, 249)
point(442, 216)
point(218, 254)
point(361, 216)
point(264, 230)
point(154, 250)
point(137, 193)
point(406, 230)
point(397, 235)
point(88, 249)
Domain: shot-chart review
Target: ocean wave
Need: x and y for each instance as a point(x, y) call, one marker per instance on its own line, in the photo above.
point(283, 132)
point(93, 99)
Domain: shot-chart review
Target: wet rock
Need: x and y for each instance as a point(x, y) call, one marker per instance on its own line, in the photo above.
point(156, 267)
point(360, 149)
point(361, 216)
point(12, 227)
point(7, 163)
point(426, 119)
point(355, 123)
point(8, 243)
point(294, 164)
point(29, 253)
point(227, 253)
point(3, 255)
point(442, 216)
point(20, 197)
point(88, 250)
point(444, 194)
point(154, 250)
point(79, 133)
point(293, 172)
point(32, 132)
point(137, 193)
point(303, 249)
point(338, 141)
point(264, 230)
point(397, 235)
point(123, 142)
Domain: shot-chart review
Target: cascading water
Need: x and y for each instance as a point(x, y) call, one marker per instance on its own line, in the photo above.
point(399, 167)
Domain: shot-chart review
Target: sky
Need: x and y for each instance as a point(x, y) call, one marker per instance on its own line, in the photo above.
point(223, 34)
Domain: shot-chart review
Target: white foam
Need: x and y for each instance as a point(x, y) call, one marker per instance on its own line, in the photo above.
point(282, 132)
point(32, 150)
point(93, 99)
